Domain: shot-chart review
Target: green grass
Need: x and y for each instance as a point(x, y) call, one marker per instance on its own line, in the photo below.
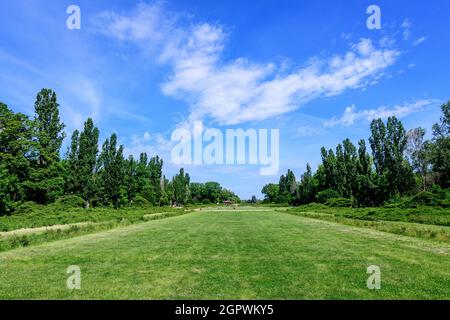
point(39, 216)
point(230, 255)
point(423, 215)
point(33, 236)
point(425, 231)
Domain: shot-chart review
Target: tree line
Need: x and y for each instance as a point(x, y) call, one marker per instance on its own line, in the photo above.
point(32, 169)
point(401, 163)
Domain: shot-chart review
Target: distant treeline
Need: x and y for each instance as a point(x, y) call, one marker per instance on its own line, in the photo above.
point(31, 168)
point(401, 163)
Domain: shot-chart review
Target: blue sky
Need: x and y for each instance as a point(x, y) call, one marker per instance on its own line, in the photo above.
point(311, 69)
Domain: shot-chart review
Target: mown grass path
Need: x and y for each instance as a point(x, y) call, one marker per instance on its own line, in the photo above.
point(230, 255)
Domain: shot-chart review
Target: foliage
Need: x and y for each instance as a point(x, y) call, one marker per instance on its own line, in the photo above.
point(440, 148)
point(401, 164)
point(339, 203)
point(423, 198)
point(181, 192)
point(81, 163)
point(45, 182)
point(428, 232)
point(140, 201)
point(270, 192)
point(69, 201)
point(325, 195)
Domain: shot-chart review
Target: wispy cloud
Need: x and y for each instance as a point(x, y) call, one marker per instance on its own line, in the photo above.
point(151, 143)
point(352, 116)
point(147, 22)
point(406, 26)
point(419, 41)
point(308, 131)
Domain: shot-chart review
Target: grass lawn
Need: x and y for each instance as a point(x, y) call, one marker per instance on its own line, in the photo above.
point(230, 255)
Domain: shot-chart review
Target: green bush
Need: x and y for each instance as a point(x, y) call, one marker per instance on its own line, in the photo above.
point(28, 207)
point(281, 199)
point(140, 201)
point(69, 201)
point(325, 195)
point(339, 203)
point(423, 198)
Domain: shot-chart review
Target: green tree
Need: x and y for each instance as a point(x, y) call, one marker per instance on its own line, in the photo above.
point(364, 162)
point(81, 161)
point(228, 195)
point(46, 181)
point(329, 164)
point(167, 191)
point(418, 152)
point(307, 188)
point(351, 168)
point(111, 170)
point(71, 165)
point(440, 148)
point(87, 159)
point(155, 166)
point(378, 145)
point(130, 178)
point(388, 148)
point(213, 191)
point(198, 192)
point(287, 187)
point(15, 147)
point(180, 185)
point(365, 188)
point(270, 192)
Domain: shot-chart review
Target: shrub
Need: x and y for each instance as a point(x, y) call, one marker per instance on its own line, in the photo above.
point(70, 201)
point(28, 207)
point(140, 201)
point(339, 203)
point(423, 198)
point(437, 190)
point(281, 199)
point(19, 241)
point(206, 201)
point(325, 195)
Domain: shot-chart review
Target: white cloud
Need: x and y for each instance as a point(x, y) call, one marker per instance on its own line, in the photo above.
point(308, 131)
point(419, 41)
point(352, 116)
point(151, 143)
point(238, 90)
point(406, 26)
point(346, 36)
point(147, 22)
point(386, 42)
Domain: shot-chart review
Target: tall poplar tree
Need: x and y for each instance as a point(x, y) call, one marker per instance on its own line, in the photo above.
point(87, 159)
point(46, 181)
point(155, 174)
point(111, 171)
point(440, 151)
